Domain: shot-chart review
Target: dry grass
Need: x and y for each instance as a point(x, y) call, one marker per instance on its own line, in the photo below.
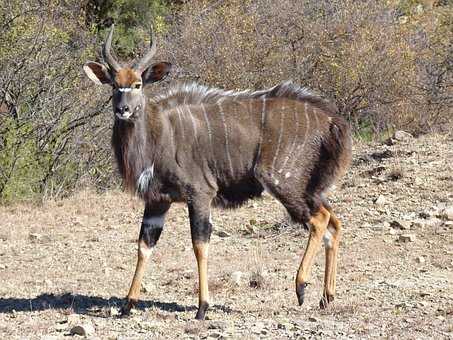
point(79, 262)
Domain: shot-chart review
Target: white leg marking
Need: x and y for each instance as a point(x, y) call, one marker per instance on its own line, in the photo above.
point(156, 222)
point(288, 175)
point(152, 222)
point(144, 250)
point(227, 147)
point(327, 238)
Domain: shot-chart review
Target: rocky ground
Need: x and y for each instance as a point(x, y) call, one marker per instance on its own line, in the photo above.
point(70, 263)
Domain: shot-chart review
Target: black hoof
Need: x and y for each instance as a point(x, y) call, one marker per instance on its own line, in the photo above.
point(300, 291)
point(126, 309)
point(325, 301)
point(201, 313)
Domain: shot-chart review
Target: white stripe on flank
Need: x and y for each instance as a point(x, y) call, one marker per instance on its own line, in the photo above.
point(263, 119)
point(194, 124)
point(316, 118)
point(227, 148)
point(282, 118)
point(180, 121)
point(208, 126)
point(293, 145)
point(299, 146)
point(239, 106)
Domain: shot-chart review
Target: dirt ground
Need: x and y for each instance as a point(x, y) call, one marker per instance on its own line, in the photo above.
point(70, 262)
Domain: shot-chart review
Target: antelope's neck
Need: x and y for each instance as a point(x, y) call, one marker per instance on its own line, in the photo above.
point(135, 149)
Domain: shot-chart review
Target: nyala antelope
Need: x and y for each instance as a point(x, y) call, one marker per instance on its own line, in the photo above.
point(206, 147)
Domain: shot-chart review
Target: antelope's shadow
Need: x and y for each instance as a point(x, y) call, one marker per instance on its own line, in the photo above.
point(82, 304)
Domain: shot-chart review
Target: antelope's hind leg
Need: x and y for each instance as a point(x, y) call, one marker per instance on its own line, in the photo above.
point(318, 226)
point(331, 242)
point(151, 228)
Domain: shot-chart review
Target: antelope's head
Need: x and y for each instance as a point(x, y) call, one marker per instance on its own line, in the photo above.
point(127, 82)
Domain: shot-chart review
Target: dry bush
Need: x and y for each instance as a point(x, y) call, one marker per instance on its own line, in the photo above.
point(50, 122)
point(384, 68)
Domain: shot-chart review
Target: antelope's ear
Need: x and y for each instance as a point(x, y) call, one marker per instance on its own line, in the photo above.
point(97, 73)
point(156, 72)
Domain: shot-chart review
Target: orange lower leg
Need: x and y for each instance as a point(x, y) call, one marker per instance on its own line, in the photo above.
point(317, 230)
point(332, 241)
point(201, 253)
point(144, 253)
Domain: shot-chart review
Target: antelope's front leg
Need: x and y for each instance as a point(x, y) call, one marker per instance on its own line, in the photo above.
point(201, 228)
point(151, 228)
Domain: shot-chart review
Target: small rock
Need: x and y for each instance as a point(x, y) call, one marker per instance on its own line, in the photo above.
point(420, 259)
point(187, 274)
point(425, 214)
point(284, 325)
point(418, 223)
point(433, 222)
point(419, 181)
point(72, 318)
point(35, 236)
point(113, 311)
point(145, 288)
point(83, 330)
point(237, 277)
point(218, 324)
point(447, 213)
point(407, 238)
point(257, 327)
point(222, 233)
point(313, 319)
point(402, 135)
point(400, 224)
point(216, 335)
point(378, 227)
point(448, 224)
point(380, 200)
point(3, 266)
point(392, 231)
point(61, 327)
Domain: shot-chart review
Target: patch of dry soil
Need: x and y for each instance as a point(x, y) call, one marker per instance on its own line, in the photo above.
point(70, 262)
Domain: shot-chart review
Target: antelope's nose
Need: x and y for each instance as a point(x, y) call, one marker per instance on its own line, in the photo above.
point(123, 109)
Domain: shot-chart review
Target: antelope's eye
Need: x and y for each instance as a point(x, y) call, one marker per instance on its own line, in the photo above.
point(137, 86)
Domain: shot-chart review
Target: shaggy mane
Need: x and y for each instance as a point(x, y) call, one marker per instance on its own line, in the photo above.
point(195, 94)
